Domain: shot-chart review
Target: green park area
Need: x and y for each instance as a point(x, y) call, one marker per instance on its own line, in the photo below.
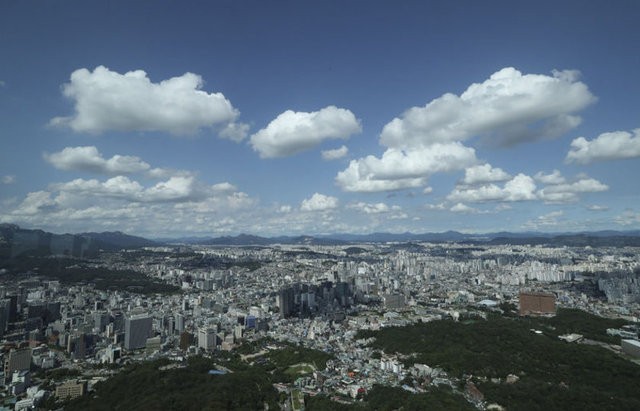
point(553, 374)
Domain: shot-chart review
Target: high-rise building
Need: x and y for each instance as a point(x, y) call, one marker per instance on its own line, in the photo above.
point(100, 320)
point(118, 322)
point(17, 360)
point(207, 339)
point(137, 329)
point(179, 323)
point(286, 300)
point(4, 317)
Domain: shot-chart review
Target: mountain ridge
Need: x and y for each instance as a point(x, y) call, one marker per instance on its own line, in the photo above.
point(15, 241)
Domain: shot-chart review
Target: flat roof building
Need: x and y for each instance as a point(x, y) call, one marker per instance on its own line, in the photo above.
point(137, 329)
point(71, 389)
point(631, 347)
point(537, 304)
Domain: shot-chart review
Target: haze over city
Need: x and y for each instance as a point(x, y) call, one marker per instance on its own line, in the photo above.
point(271, 118)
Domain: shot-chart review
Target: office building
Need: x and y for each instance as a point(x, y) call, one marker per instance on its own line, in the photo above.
point(137, 329)
point(207, 339)
point(71, 389)
point(17, 360)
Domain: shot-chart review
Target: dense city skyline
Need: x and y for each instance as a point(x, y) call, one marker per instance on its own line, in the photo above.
point(169, 119)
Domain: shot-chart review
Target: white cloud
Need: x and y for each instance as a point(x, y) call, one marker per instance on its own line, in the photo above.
point(8, 179)
point(508, 108)
point(35, 203)
point(177, 189)
point(484, 173)
point(335, 153)
point(2, 83)
point(463, 209)
point(595, 207)
point(436, 207)
point(523, 188)
point(224, 188)
point(116, 187)
point(568, 192)
point(88, 158)
point(235, 132)
point(398, 169)
point(607, 146)
point(554, 177)
point(545, 221)
point(319, 202)
point(519, 188)
point(373, 208)
point(164, 173)
point(628, 218)
point(179, 204)
point(292, 132)
point(106, 100)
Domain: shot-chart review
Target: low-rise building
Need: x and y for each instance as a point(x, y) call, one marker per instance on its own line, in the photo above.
point(71, 389)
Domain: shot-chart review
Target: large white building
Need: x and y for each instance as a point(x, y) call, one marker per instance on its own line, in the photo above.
point(206, 339)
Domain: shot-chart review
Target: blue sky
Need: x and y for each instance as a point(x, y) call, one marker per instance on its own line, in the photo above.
point(288, 117)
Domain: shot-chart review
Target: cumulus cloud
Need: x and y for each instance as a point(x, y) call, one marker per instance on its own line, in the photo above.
point(569, 192)
point(179, 204)
point(319, 202)
point(8, 179)
point(106, 100)
point(507, 109)
point(523, 187)
point(555, 177)
point(595, 207)
point(398, 169)
point(519, 188)
point(37, 202)
point(335, 153)
point(607, 146)
point(292, 132)
point(177, 189)
point(375, 208)
point(436, 207)
point(484, 173)
point(88, 158)
point(116, 187)
point(463, 209)
point(235, 132)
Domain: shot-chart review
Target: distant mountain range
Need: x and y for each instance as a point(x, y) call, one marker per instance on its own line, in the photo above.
point(16, 241)
point(597, 238)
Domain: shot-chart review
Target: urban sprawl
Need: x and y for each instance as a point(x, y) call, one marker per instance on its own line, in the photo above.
point(315, 296)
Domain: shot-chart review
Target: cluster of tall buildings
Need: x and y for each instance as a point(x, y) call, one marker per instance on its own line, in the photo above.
point(307, 300)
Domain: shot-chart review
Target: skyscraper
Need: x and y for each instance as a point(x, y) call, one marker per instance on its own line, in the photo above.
point(206, 339)
point(137, 329)
point(286, 302)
